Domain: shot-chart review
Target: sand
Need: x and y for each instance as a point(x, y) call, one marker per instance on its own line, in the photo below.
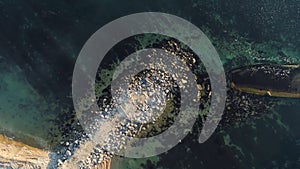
point(18, 155)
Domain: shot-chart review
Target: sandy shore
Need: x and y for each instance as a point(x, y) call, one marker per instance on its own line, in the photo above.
point(18, 155)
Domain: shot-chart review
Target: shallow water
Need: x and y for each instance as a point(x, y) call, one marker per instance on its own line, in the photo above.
point(24, 113)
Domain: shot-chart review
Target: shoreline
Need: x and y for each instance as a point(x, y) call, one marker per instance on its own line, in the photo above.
point(26, 139)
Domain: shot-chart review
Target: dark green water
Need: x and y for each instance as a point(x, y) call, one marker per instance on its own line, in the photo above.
point(40, 40)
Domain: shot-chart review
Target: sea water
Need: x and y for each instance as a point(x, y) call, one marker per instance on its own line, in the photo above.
point(41, 40)
point(25, 114)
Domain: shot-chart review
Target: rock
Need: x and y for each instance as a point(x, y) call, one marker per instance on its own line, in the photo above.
point(59, 162)
point(76, 142)
point(68, 153)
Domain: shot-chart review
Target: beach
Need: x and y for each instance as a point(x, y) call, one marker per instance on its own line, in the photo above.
point(19, 155)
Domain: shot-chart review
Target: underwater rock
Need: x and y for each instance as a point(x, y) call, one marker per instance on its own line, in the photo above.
point(272, 80)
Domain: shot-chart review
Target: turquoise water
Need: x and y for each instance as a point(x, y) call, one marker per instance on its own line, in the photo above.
point(25, 114)
point(41, 40)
